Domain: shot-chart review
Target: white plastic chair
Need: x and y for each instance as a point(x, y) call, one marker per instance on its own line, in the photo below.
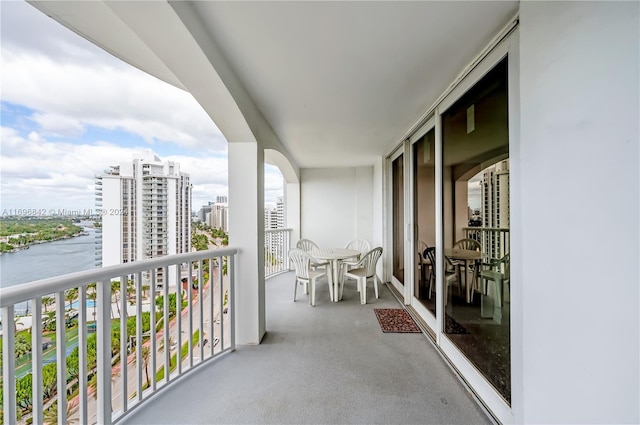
point(360, 245)
point(450, 276)
point(307, 245)
point(498, 272)
point(364, 269)
point(304, 275)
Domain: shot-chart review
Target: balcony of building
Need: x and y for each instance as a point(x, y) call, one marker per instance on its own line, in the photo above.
point(377, 127)
point(330, 363)
point(326, 364)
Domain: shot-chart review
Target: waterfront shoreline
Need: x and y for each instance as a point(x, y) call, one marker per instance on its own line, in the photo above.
point(40, 242)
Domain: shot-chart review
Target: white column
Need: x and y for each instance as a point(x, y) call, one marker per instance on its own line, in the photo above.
point(292, 206)
point(246, 232)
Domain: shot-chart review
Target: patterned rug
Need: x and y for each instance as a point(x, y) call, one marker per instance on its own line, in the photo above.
point(395, 320)
point(453, 327)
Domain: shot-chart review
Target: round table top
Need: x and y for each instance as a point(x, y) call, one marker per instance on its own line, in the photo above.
point(334, 253)
point(463, 254)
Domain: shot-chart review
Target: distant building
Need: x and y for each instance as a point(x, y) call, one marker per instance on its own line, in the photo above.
point(203, 212)
point(274, 217)
point(215, 214)
point(145, 207)
point(495, 206)
point(218, 216)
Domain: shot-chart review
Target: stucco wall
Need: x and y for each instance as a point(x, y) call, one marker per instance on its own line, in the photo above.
point(579, 208)
point(337, 205)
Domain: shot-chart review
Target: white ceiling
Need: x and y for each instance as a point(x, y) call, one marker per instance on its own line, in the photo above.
point(338, 82)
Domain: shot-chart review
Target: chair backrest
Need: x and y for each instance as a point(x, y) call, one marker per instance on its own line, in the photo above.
point(359, 244)
point(370, 260)
point(430, 254)
point(470, 244)
point(301, 262)
point(306, 245)
point(422, 247)
point(507, 267)
point(503, 265)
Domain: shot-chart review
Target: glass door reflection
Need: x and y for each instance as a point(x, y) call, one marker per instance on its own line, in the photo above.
point(397, 177)
point(424, 175)
point(475, 143)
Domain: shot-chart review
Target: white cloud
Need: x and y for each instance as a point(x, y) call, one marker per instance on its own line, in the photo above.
point(73, 87)
point(71, 96)
point(39, 174)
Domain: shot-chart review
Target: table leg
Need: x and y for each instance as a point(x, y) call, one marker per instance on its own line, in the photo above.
point(336, 281)
point(466, 280)
point(330, 279)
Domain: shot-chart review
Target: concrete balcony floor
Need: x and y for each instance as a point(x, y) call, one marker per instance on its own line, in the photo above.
point(328, 364)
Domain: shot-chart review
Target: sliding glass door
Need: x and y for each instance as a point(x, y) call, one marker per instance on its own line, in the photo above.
point(449, 226)
point(397, 194)
point(475, 158)
point(424, 216)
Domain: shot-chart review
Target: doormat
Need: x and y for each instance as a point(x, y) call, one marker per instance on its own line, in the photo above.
point(453, 327)
point(395, 320)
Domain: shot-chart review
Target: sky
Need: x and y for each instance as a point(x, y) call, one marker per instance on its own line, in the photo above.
point(69, 110)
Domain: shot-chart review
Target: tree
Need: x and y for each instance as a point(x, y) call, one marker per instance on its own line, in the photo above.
point(49, 374)
point(47, 301)
point(131, 291)
point(172, 304)
point(93, 297)
point(24, 392)
point(146, 356)
point(115, 290)
point(161, 343)
point(50, 416)
point(49, 322)
point(71, 295)
point(22, 345)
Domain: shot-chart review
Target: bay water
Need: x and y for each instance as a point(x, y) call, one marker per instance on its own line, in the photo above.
point(46, 260)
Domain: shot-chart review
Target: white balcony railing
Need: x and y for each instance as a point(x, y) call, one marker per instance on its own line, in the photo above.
point(276, 248)
point(100, 387)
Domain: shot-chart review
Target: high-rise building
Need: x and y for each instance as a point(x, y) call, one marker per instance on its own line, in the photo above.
point(495, 207)
point(280, 212)
point(218, 217)
point(274, 217)
point(145, 207)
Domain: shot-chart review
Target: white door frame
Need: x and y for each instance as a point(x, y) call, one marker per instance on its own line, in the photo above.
point(505, 47)
point(399, 151)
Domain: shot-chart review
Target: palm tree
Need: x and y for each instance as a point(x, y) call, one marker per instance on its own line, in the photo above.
point(50, 416)
point(146, 356)
point(47, 301)
point(161, 343)
point(131, 290)
point(92, 384)
point(93, 296)
point(71, 295)
point(115, 289)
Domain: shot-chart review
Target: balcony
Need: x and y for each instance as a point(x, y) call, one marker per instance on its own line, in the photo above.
point(326, 364)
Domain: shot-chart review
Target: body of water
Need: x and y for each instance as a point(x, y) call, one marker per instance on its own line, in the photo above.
point(46, 260)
